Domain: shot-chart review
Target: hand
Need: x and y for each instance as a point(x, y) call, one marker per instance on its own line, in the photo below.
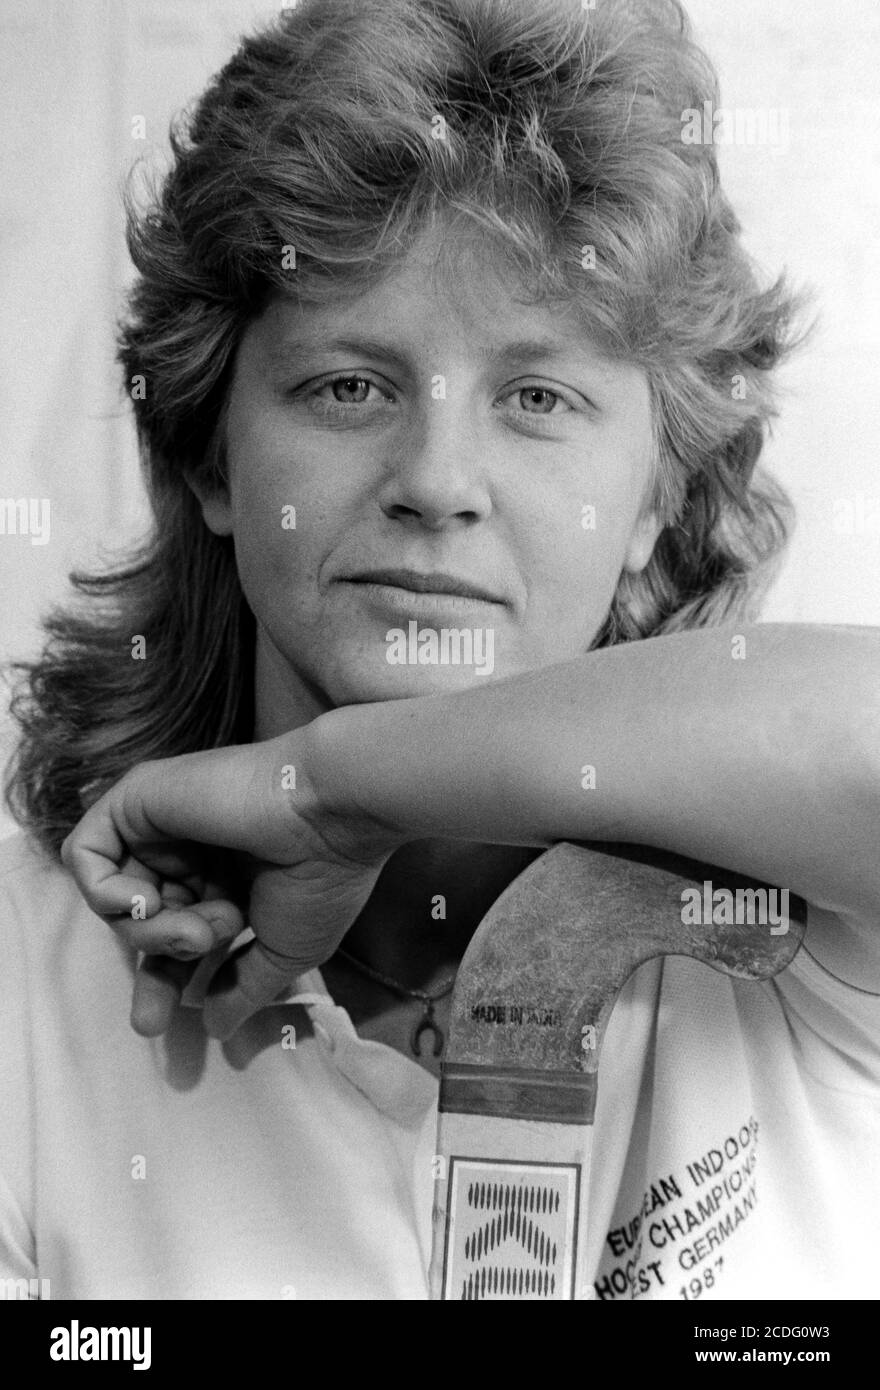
point(145, 858)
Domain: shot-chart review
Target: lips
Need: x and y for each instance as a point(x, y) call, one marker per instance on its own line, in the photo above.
point(419, 582)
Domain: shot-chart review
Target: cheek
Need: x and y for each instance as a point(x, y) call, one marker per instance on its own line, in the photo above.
point(274, 538)
point(573, 559)
point(282, 502)
point(575, 543)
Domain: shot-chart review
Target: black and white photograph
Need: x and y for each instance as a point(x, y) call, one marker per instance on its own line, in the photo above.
point(440, 854)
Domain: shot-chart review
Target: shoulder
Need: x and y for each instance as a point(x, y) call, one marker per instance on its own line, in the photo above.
point(34, 887)
point(48, 934)
point(27, 868)
point(37, 893)
point(65, 978)
point(64, 986)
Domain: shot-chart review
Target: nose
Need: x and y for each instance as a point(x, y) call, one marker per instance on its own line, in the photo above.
point(436, 473)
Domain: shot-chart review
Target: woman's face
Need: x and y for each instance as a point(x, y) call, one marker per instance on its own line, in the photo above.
point(459, 463)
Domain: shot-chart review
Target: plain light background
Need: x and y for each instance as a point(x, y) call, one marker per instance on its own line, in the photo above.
point(75, 73)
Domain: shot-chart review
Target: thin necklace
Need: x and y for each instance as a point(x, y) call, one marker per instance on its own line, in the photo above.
point(427, 1023)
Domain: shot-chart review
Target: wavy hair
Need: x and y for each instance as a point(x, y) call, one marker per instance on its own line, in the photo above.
point(338, 132)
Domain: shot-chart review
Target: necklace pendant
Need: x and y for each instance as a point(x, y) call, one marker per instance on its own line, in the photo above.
point(427, 1024)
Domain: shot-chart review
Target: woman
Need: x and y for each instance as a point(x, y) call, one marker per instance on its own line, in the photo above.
point(454, 379)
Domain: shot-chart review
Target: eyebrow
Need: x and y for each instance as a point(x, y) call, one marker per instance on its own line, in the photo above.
point(288, 352)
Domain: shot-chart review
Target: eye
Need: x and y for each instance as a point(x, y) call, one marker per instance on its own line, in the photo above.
point(353, 389)
point(540, 400)
point(529, 406)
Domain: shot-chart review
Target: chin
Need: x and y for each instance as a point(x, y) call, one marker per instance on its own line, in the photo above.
point(404, 683)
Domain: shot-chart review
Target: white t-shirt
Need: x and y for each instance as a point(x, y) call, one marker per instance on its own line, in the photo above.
point(735, 1147)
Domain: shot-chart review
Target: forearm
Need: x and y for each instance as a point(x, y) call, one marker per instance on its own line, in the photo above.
point(766, 762)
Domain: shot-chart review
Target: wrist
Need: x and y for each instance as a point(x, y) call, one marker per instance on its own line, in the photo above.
point(345, 757)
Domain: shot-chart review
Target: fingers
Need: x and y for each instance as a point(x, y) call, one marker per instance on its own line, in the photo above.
point(182, 932)
point(254, 976)
point(182, 918)
point(158, 986)
point(116, 883)
point(96, 856)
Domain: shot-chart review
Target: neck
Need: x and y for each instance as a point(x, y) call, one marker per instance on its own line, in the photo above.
point(432, 894)
point(427, 903)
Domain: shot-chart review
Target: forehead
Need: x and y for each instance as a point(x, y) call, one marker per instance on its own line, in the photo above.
point(446, 293)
